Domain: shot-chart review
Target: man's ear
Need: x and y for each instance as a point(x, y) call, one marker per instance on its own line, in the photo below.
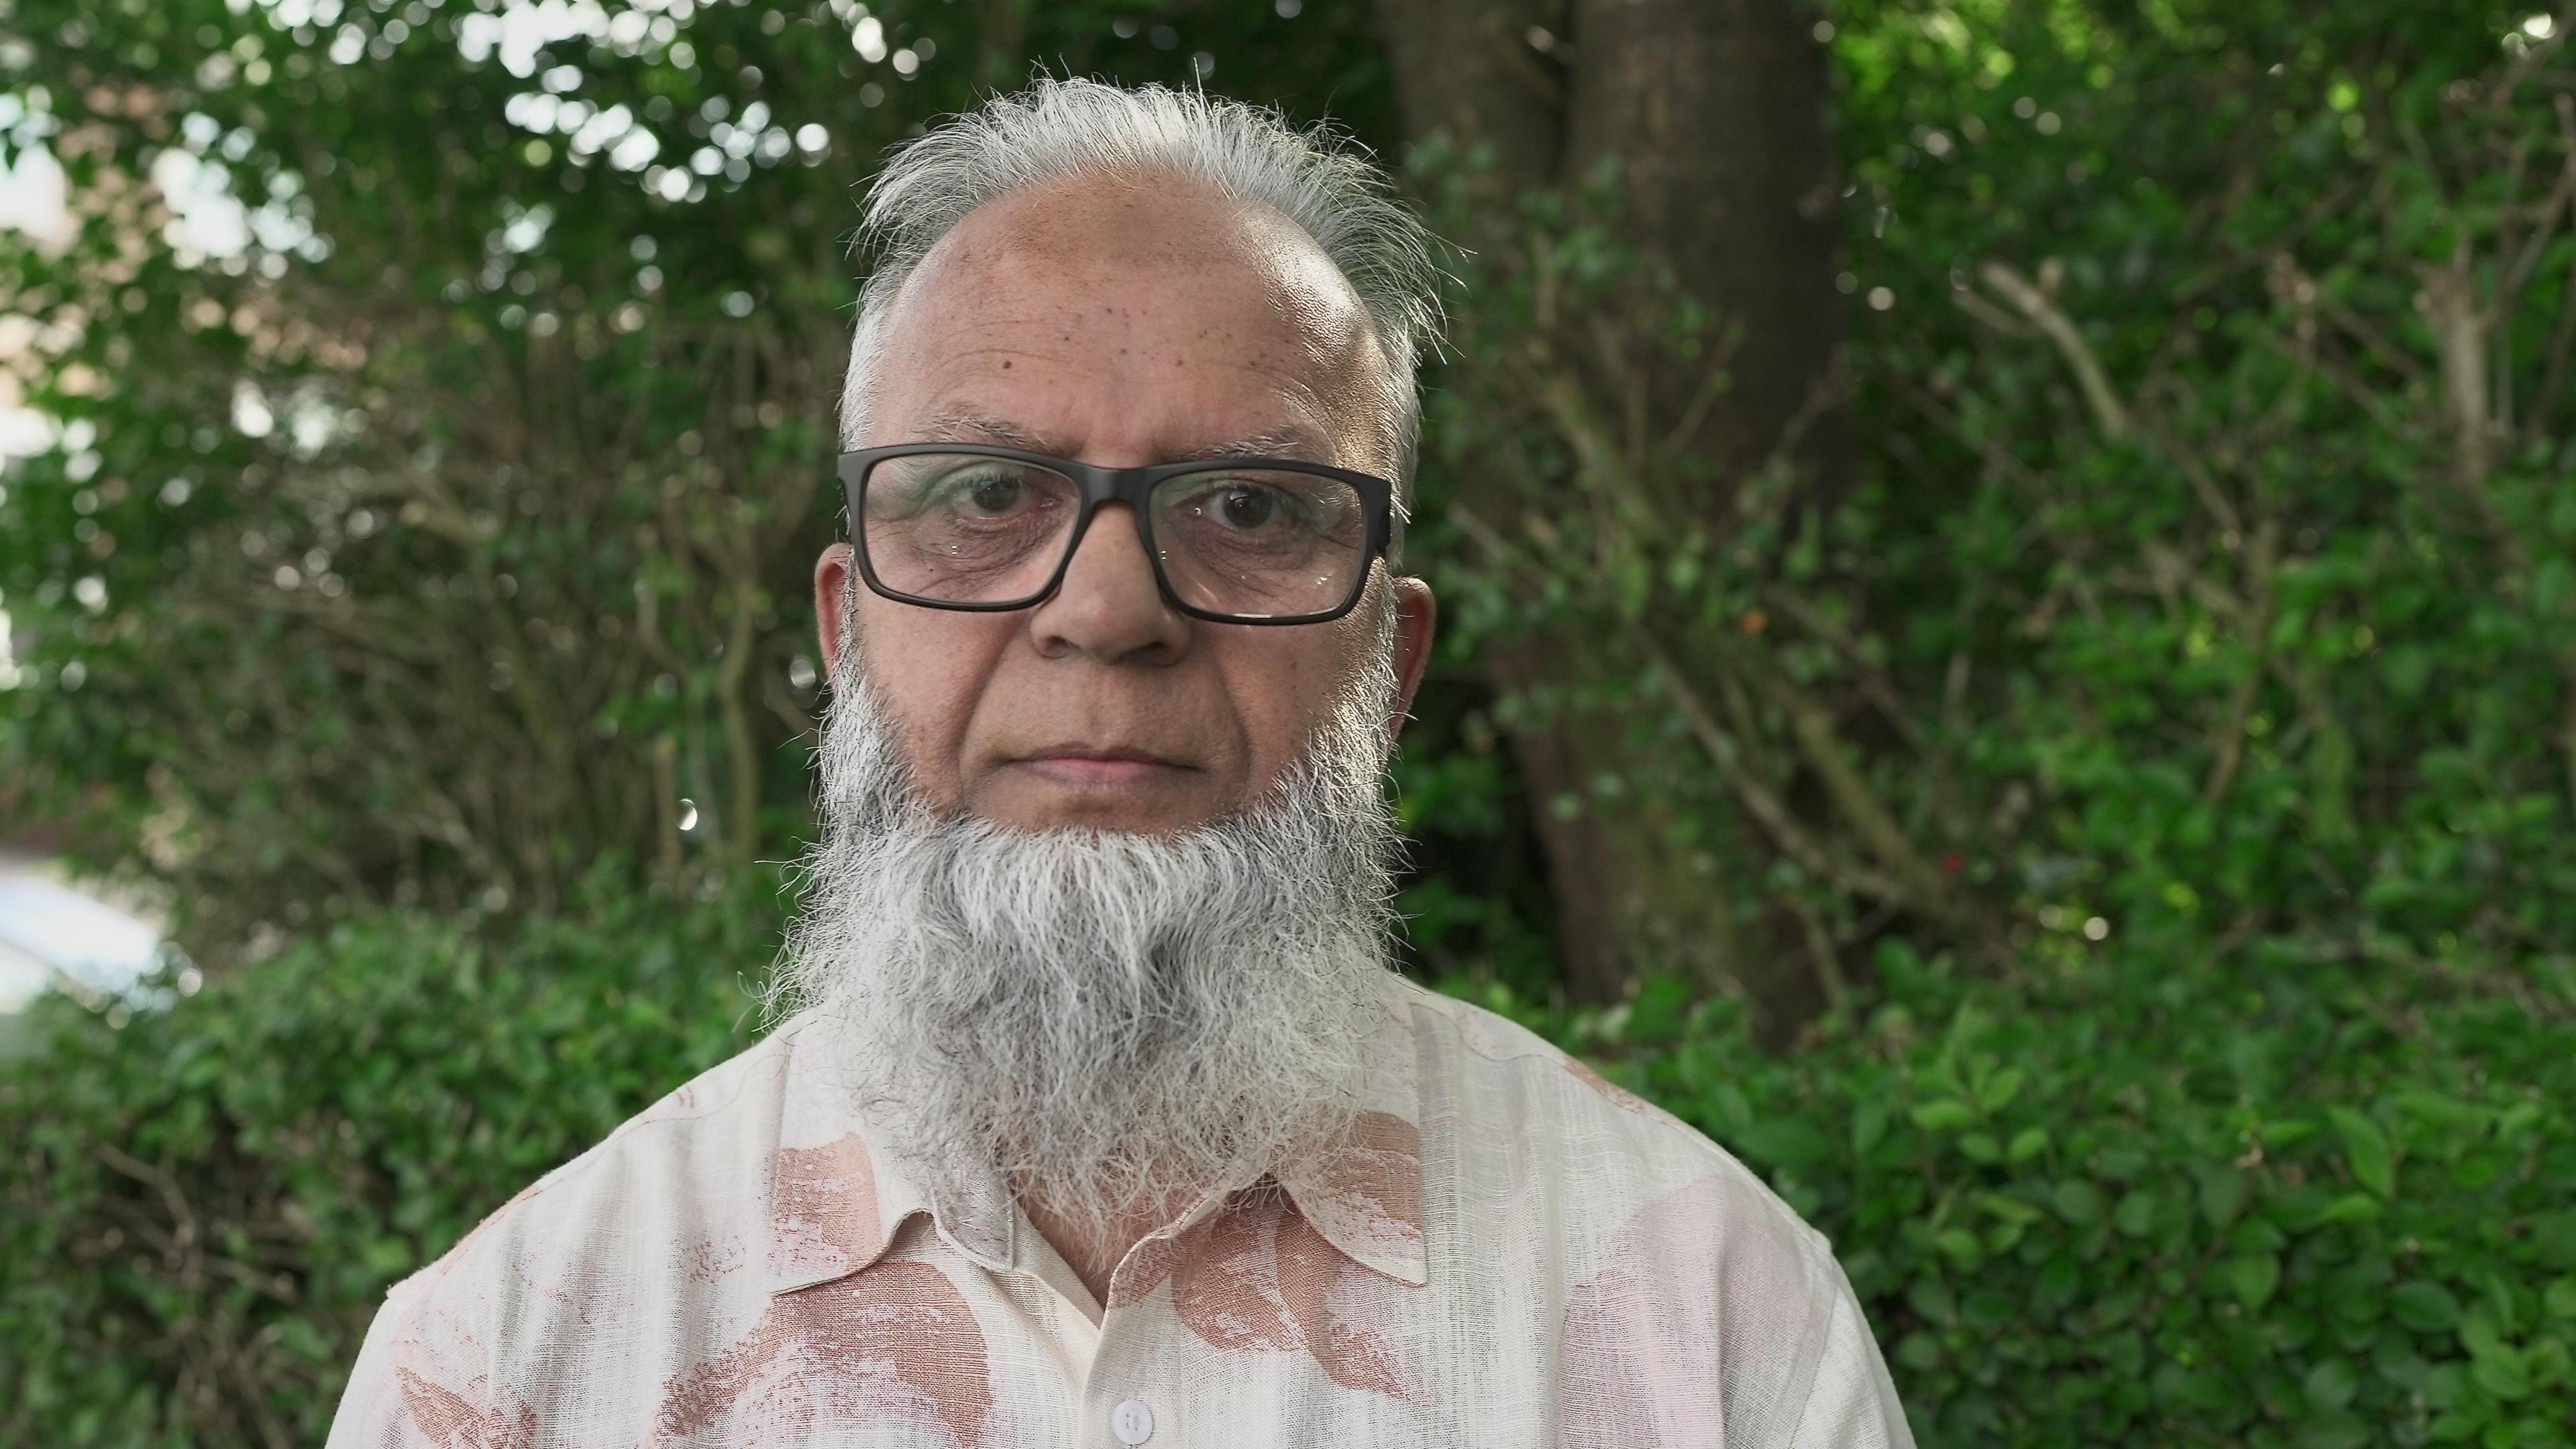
point(832, 577)
point(1417, 620)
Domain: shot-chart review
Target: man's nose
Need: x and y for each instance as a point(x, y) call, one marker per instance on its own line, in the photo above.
point(1108, 606)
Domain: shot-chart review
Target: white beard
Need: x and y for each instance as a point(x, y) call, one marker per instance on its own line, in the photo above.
point(1110, 1019)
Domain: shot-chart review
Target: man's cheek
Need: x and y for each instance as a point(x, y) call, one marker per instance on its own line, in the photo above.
point(929, 692)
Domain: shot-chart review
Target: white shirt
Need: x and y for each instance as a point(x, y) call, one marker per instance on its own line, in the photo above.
point(1509, 1251)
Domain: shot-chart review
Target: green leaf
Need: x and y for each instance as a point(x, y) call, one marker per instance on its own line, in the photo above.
point(1786, 1142)
point(2548, 1360)
point(2553, 1235)
point(2517, 1119)
point(2479, 1332)
point(2424, 1307)
point(2559, 1300)
point(2446, 1126)
point(2407, 669)
point(2335, 1429)
point(2011, 1210)
point(2454, 1427)
point(2287, 1132)
point(2028, 1143)
point(2331, 1384)
point(2077, 1201)
point(2501, 1373)
point(2352, 1207)
point(2366, 1149)
point(2253, 1277)
point(1943, 1115)
point(2222, 1195)
point(389, 1256)
point(1869, 1127)
point(2553, 583)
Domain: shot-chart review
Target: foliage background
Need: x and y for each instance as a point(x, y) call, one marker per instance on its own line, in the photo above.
point(2125, 833)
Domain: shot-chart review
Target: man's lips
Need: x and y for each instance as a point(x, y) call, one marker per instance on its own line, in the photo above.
point(1096, 766)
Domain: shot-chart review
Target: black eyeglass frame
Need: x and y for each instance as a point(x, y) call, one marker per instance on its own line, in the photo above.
point(1133, 487)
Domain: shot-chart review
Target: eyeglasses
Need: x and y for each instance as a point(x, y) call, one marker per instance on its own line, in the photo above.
point(1232, 541)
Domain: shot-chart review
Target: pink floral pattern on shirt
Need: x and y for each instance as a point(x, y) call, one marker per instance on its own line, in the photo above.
point(1258, 1276)
point(894, 1341)
point(471, 1417)
point(1634, 1369)
point(823, 1209)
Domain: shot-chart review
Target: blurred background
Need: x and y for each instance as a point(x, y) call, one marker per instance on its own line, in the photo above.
point(2009, 582)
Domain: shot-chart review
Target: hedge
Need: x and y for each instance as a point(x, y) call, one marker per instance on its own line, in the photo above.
point(2121, 1202)
point(200, 1211)
point(2109, 1202)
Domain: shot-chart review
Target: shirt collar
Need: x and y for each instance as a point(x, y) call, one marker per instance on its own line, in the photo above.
point(835, 1203)
point(1364, 1194)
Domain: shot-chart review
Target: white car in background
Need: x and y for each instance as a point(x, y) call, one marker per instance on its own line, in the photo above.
point(55, 936)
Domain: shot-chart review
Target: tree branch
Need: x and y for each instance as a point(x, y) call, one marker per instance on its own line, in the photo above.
point(2108, 414)
point(1765, 807)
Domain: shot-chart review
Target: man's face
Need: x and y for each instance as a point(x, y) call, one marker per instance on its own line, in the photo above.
point(1121, 326)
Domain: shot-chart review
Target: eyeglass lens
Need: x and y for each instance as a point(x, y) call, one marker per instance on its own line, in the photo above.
point(1242, 542)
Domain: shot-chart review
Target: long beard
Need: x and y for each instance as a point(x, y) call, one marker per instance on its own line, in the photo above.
point(1109, 1019)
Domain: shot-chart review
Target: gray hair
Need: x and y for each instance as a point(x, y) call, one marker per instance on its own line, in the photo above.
point(1071, 128)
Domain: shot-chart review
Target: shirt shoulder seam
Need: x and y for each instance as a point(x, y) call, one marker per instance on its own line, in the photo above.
point(1440, 1006)
point(1548, 1053)
point(1812, 1361)
point(1668, 1131)
point(582, 1163)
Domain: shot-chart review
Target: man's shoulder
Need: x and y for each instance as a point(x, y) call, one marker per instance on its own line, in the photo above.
point(1675, 1263)
point(1497, 1060)
point(693, 1156)
point(1525, 1104)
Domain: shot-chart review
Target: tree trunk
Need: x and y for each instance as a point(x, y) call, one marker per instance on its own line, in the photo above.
point(1467, 70)
point(1712, 114)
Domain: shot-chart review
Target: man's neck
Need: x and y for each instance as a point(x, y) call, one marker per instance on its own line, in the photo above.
point(1094, 1250)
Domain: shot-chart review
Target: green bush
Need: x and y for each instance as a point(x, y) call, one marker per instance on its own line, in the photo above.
point(201, 1210)
point(2111, 1203)
point(2126, 1203)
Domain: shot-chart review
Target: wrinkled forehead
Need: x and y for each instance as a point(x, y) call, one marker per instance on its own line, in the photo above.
point(1133, 294)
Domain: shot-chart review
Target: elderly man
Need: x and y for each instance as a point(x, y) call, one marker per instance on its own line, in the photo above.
point(1096, 1116)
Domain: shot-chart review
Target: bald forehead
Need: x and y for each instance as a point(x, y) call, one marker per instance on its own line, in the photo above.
point(1060, 248)
point(1090, 224)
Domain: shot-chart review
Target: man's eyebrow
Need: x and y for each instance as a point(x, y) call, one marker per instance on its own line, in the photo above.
point(1296, 443)
point(963, 426)
point(972, 427)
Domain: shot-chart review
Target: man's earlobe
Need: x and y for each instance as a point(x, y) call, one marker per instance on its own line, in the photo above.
point(1417, 620)
point(832, 580)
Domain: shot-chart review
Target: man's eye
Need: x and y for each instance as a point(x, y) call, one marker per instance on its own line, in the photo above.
point(1247, 508)
point(991, 494)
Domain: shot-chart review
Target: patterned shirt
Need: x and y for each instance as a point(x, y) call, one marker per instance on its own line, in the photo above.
point(1508, 1252)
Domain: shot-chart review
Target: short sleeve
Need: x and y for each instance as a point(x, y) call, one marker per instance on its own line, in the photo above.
point(371, 1413)
point(424, 1381)
point(1851, 1403)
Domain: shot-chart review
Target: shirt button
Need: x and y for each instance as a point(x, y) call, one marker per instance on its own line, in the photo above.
point(1132, 1422)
